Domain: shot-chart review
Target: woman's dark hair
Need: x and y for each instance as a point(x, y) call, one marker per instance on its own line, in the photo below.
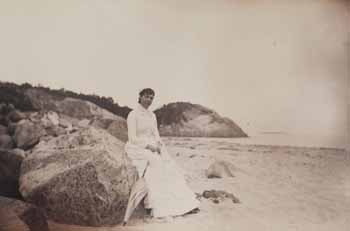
point(146, 91)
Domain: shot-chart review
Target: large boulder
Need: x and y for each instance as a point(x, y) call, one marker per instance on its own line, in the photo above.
point(28, 133)
point(18, 215)
point(81, 178)
point(10, 164)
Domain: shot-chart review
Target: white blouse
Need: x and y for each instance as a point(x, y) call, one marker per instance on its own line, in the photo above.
point(142, 127)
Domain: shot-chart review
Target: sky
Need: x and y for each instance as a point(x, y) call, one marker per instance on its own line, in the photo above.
point(267, 65)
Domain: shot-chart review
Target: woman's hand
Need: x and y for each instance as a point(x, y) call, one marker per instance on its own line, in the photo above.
point(153, 148)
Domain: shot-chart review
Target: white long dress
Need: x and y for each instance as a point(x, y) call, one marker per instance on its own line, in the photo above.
point(168, 193)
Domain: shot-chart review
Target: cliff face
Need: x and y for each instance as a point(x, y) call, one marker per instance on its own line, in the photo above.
point(186, 119)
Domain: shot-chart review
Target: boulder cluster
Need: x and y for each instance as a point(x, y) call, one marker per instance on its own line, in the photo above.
point(63, 167)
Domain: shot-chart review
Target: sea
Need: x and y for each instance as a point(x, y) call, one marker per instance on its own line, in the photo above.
point(285, 139)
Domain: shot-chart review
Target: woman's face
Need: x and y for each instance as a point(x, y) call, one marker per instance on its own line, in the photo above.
point(146, 100)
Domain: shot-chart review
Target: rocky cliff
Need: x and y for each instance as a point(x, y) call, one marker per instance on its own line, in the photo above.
point(186, 119)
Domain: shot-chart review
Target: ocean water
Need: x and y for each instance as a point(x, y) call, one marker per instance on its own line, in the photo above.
point(283, 139)
point(295, 140)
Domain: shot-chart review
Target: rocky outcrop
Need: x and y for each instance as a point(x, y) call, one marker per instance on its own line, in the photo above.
point(18, 215)
point(186, 119)
point(80, 178)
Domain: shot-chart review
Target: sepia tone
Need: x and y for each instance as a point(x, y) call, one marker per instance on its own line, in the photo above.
point(252, 100)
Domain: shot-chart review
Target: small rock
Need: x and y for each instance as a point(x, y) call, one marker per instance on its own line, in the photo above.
point(220, 169)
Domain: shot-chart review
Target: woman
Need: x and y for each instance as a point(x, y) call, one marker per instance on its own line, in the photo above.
point(168, 194)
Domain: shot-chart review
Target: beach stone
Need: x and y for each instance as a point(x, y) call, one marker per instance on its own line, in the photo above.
point(10, 164)
point(219, 195)
point(6, 141)
point(21, 216)
point(27, 134)
point(82, 178)
point(220, 169)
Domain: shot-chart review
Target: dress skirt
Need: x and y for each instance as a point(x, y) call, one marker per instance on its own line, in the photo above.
point(168, 193)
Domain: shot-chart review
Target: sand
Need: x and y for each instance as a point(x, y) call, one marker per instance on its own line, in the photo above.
point(280, 188)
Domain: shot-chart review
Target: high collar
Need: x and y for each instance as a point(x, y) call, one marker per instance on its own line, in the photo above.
point(141, 108)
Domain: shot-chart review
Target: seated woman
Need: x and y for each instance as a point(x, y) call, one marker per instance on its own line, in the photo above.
point(168, 193)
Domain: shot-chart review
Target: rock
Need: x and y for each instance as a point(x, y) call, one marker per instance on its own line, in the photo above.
point(118, 129)
point(3, 130)
point(15, 116)
point(11, 128)
point(55, 131)
point(3, 108)
point(10, 164)
point(220, 169)
point(84, 123)
point(82, 178)
point(100, 122)
point(27, 134)
point(20, 214)
point(65, 124)
point(4, 120)
point(6, 142)
point(219, 195)
point(53, 117)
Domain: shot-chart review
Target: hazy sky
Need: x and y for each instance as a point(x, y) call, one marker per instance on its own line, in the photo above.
point(268, 65)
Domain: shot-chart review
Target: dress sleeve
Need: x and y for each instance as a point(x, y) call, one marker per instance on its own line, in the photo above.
point(155, 129)
point(132, 130)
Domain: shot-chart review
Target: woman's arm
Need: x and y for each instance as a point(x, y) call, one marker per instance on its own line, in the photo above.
point(155, 131)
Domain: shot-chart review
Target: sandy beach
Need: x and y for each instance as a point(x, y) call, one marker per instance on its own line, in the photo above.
point(279, 187)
